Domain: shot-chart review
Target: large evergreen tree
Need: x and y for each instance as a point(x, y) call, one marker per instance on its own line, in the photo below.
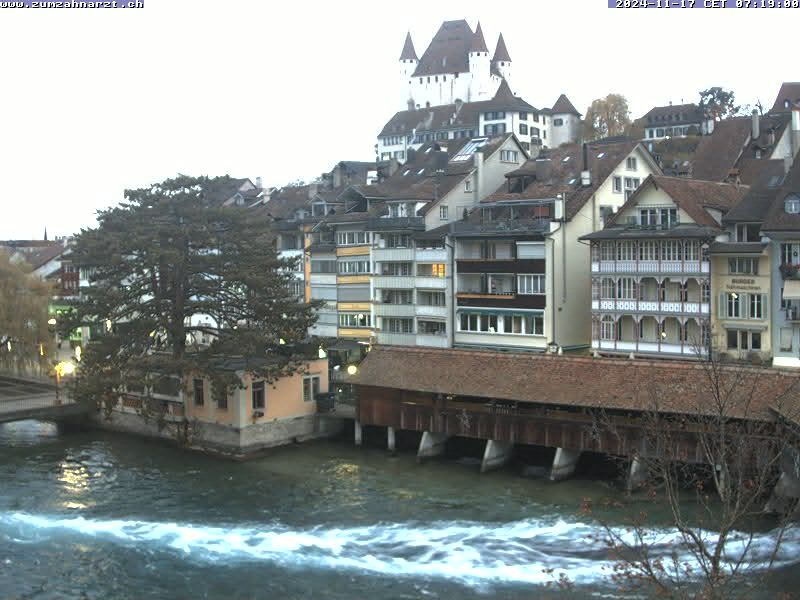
point(180, 284)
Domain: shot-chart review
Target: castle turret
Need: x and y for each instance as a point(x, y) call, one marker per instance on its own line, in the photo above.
point(408, 64)
point(501, 62)
point(479, 65)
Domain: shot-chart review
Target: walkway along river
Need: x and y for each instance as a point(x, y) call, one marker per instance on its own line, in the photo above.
point(102, 515)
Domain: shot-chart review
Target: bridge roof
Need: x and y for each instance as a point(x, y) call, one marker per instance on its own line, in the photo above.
point(667, 386)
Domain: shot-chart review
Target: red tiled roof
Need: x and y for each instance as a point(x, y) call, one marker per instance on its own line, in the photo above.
point(717, 153)
point(478, 43)
point(615, 384)
point(448, 51)
point(790, 91)
point(564, 107)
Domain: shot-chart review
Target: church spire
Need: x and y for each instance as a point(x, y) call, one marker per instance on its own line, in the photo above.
point(45, 234)
point(408, 49)
point(478, 41)
point(501, 52)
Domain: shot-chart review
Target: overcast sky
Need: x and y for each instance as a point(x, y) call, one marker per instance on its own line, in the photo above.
point(96, 101)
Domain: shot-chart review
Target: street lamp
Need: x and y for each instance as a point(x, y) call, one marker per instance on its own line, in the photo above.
point(63, 368)
point(352, 369)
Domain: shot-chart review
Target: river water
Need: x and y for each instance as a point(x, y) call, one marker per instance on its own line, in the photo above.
point(101, 515)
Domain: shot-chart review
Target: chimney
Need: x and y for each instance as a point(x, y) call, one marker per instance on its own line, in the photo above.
point(478, 183)
point(558, 208)
point(586, 174)
point(393, 166)
point(259, 183)
point(411, 156)
point(756, 128)
point(795, 130)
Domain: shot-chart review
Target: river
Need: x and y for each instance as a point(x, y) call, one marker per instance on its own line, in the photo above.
point(101, 515)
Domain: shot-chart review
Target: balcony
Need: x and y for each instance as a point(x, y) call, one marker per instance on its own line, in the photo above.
point(432, 340)
point(426, 310)
point(434, 255)
point(395, 282)
point(649, 347)
point(393, 310)
point(652, 306)
point(428, 283)
point(508, 265)
point(397, 339)
point(697, 267)
point(393, 254)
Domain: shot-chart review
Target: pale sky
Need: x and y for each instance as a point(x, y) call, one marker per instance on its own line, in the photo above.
point(96, 101)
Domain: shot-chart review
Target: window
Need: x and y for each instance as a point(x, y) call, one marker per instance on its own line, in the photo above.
point(222, 400)
point(257, 395)
point(792, 204)
point(671, 250)
point(523, 116)
point(352, 238)
point(310, 387)
point(354, 320)
point(789, 253)
point(494, 116)
point(437, 270)
point(743, 340)
point(535, 117)
point(691, 251)
point(296, 288)
point(631, 183)
point(199, 392)
point(398, 240)
point(630, 163)
point(523, 128)
point(397, 297)
point(608, 289)
point(607, 328)
point(626, 288)
point(756, 306)
point(617, 184)
point(509, 156)
point(535, 132)
point(432, 327)
point(468, 185)
point(354, 267)
point(431, 298)
point(626, 251)
point(398, 210)
point(605, 214)
point(733, 305)
point(526, 324)
point(496, 129)
point(607, 251)
point(668, 217)
point(443, 213)
point(558, 122)
point(323, 266)
point(648, 250)
point(748, 232)
point(530, 284)
point(397, 269)
point(398, 325)
point(743, 266)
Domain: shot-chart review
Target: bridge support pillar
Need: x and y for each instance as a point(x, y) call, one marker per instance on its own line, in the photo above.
point(390, 439)
point(564, 464)
point(357, 432)
point(637, 474)
point(431, 444)
point(787, 490)
point(496, 455)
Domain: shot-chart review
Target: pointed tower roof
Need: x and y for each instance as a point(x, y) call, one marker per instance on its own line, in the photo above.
point(504, 98)
point(408, 49)
point(478, 41)
point(45, 234)
point(564, 107)
point(501, 52)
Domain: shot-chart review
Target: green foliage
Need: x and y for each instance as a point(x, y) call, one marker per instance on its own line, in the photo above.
point(609, 116)
point(23, 317)
point(184, 286)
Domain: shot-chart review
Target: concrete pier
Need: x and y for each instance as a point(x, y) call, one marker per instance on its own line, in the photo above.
point(357, 432)
point(564, 464)
point(787, 491)
point(431, 444)
point(637, 474)
point(496, 455)
point(390, 440)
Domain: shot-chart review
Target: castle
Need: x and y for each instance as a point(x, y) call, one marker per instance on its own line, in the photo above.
point(455, 66)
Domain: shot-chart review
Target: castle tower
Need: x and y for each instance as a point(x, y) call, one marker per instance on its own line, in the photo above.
point(501, 62)
point(408, 64)
point(479, 88)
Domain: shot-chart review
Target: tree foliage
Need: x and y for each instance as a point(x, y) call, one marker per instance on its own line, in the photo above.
point(181, 285)
point(714, 469)
point(25, 341)
point(718, 103)
point(605, 117)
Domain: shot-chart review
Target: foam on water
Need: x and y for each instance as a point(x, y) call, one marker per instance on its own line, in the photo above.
point(528, 551)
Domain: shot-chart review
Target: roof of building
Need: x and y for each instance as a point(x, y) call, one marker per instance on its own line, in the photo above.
point(558, 171)
point(736, 248)
point(789, 92)
point(694, 196)
point(671, 115)
point(777, 218)
point(285, 202)
point(717, 153)
point(459, 115)
point(41, 256)
point(613, 384)
point(765, 178)
point(408, 52)
point(448, 51)
point(564, 107)
point(501, 52)
point(478, 42)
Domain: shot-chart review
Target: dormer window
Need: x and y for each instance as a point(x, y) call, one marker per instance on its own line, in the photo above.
point(792, 204)
point(786, 103)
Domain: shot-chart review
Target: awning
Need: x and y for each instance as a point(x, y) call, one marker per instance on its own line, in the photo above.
point(791, 289)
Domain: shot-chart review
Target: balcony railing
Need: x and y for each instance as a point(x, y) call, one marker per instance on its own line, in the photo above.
point(651, 266)
point(650, 347)
point(652, 306)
